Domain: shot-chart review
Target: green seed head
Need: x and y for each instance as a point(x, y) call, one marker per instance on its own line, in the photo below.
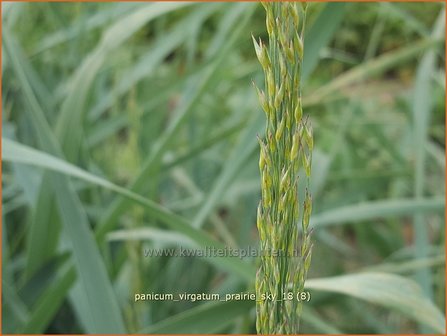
point(286, 150)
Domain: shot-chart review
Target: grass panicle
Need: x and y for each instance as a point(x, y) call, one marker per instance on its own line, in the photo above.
point(111, 156)
point(286, 148)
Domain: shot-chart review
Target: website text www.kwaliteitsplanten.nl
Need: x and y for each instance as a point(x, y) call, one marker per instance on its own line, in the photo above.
point(212, 252)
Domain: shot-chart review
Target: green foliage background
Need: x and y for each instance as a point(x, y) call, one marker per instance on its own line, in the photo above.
point(133, 125)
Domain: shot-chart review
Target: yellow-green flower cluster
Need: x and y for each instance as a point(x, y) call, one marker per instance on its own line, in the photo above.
point(286, 148)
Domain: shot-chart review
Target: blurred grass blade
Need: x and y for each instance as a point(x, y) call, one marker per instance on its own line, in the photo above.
point(437, 153)
point(369, 69)
point(207, 318)
point(388, 290)
point(160, 49)
point(376, 34)
point(196, 88)
point(409, 266)
point(97, 288)
point(43, 235)
point(226, 24)
point(377, 210)
point(141, 70)
point(125, 27)
point(152, 234)
point(406, 18)
point(216, 138)
point(44, 230)
point(70, 120)
point(15, 311)
point(310, 317)
point(246, 146)
point(320, 34)
point(95, 21)
point(422, 105)
point(48, 303)
point(103, 307)
point(14, 152)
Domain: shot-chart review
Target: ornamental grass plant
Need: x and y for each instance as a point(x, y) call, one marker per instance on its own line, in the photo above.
point(129, 131)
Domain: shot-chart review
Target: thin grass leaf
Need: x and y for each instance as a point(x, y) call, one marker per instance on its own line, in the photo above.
point(69, 123)
point(369, 69)
point(49, 303)
point(320, 34)
point(151, 234)
point(310, 317)
point(14, 152)
point(422, 105)
point(14, 308)
point(408, 266)
point(207, 318)
point(216, 138)
point(377, 210)
point(393, 9)
point(93, 22)
point(161, 48)
point(103, 308)
point(185, 108)
point(43, 235)
point(244, 149)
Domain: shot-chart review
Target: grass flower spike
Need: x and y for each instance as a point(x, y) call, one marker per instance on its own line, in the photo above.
point(286, 149)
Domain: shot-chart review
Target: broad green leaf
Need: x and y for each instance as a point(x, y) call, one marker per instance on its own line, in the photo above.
point(391, 291)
